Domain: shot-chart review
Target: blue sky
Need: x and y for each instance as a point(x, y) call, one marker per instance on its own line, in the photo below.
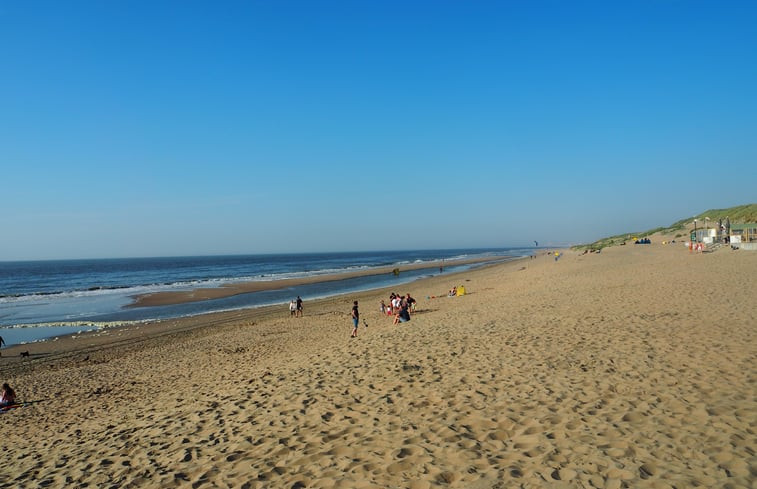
point(182, 128)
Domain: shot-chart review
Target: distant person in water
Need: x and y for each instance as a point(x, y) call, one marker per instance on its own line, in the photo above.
point(355, 319)
point(7, 396)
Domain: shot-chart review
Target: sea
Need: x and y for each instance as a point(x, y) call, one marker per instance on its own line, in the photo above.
point(40, 300)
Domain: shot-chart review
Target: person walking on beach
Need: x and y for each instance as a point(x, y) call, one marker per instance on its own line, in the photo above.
point(299, 306)
point(292, 308)
point(355, 319)
point(2, 342)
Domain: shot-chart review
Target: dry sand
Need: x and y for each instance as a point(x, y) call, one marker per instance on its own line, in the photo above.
point(630, 368)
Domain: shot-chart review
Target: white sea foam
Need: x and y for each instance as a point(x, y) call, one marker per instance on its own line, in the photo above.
point(70, 309)
point(79, 324)
point(9, 300)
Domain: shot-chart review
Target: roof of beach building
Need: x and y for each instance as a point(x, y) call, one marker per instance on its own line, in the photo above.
point(743, 225)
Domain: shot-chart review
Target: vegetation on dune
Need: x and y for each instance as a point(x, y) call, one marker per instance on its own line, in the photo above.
point(681, 229)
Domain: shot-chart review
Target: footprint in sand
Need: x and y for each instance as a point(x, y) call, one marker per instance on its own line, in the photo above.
point(648, 470)
point(410, 451)
point(633, 417)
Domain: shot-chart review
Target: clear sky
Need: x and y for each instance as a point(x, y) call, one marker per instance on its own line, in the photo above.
point(133, 128)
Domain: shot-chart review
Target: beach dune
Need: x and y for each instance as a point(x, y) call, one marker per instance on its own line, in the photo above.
point(634, 367)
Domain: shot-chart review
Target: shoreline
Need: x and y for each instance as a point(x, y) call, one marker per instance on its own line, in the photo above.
point(166, 298)
point(596, 370)
point(145, 330)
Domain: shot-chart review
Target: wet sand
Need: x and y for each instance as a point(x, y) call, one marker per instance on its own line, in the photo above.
point(201, 294)
point(635, 367)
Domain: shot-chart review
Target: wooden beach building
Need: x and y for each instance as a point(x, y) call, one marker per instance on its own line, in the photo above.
point(744, 235)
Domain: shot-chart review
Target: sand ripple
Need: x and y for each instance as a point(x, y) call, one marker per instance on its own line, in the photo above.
point(602, 371)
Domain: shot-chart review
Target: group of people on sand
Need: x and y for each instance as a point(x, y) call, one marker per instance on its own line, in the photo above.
point(295, 307)
point(396, 302)
point(399, 307)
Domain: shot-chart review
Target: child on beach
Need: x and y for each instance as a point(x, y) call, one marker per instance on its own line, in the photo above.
point(7, 396)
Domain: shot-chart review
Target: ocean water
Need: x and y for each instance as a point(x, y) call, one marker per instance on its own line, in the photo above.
point(43, 299)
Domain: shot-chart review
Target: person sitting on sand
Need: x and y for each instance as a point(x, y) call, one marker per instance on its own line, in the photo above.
point(7, 396)
point(403, 315)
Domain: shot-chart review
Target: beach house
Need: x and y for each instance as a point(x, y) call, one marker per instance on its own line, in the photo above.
point(738, 235)
point(744, 234)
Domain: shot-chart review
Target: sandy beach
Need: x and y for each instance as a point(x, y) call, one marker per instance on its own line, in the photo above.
point(634, 367)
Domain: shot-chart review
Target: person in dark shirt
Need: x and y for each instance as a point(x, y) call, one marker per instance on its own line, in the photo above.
point(410, 303)
point(355, 319)
point(299, 307)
